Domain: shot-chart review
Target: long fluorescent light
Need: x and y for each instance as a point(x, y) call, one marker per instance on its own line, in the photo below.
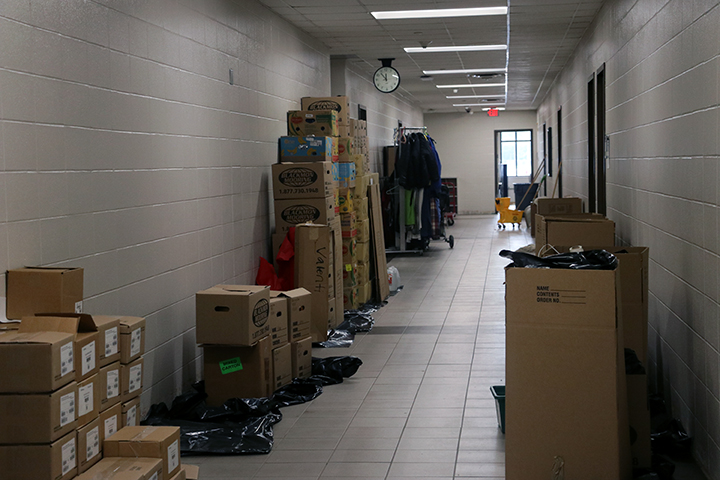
point(451, 48)
point(440, 13)
point(476, 104)
point(472, 85)
point(467, 70)
point(474, 96)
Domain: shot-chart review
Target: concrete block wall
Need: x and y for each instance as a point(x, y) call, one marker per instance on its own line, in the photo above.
point(662, 64)
point(126, 150)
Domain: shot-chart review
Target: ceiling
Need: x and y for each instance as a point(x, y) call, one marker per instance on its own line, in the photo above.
point(541, 34)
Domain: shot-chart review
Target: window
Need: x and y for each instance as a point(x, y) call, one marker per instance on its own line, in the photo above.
point(516, 152)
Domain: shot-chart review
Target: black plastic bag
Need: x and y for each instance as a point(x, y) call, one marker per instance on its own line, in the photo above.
point(338, 338)
point(671, 438)
point(354, 321)
point(588, 260)
point(633, 365)
point(332, 370)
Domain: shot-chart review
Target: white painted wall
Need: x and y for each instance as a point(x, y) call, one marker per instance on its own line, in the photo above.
point(126, 151)
point(662, 63)
point(466, 147)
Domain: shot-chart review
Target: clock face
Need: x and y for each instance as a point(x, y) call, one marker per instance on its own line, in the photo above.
point(386, 79)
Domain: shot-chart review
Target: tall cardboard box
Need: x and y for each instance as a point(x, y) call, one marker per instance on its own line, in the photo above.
point(566, 395)
point(302, 358)
point(86, 344)
point(570, 230)
point(237, 372)
point(132, 339)
point(35, 362)
point(232, 314)
point(379, 260)
point(553, 206)
point(32, 290)
point(150, 442)
point(38, 417)
point(299, 308)
point(56, 461)
point(313, 271)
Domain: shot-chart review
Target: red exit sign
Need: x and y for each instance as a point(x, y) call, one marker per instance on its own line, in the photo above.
point(493, 112)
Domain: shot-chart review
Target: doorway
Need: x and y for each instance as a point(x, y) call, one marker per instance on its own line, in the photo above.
point(513, 152)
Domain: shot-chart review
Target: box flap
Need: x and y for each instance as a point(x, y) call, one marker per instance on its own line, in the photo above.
point(106, 320)
point(50, 324)
point(243, 289)
point(295, 293)
point(576, 217)
point(85, 321)
point(48, 269)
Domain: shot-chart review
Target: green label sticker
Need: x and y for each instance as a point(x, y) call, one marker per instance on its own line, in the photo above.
point(348, 267)
point(232, 365)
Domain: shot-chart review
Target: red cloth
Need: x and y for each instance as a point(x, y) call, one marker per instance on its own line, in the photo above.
point(284, 279)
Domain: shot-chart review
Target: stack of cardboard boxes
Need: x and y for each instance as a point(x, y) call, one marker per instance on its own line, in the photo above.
point(67, 377)
point(245, 335)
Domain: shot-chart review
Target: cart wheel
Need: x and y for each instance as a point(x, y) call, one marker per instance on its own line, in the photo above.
point(450, 221)
point(451, 241)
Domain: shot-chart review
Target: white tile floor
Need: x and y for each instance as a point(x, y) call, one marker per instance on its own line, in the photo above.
point(420, 406)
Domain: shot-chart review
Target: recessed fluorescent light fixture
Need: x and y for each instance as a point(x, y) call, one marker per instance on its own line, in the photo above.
point(459, 48)
point(467, 70)
point(472, 85)
point(476, 104)
point(440, 13)
point(473, 96)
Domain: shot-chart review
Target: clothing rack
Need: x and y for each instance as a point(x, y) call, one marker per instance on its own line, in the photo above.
point(400, 236)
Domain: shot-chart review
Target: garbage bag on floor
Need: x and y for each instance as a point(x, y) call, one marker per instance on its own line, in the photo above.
point(333, 369)
point(354, 321)
point(588, 260)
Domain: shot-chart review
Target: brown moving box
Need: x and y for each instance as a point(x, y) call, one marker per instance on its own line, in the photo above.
point(110, 421)
point(299, 304)
point(38, 417)
point(115, 468)
point(302, 358)
point(237, 372)
point(109, 332)
point(639, 419)
point(86, 345)
point(131, 413)
point(313, 264)
point(290, 213)
point(282, 366)
point(109, 386)
point(88, 404)
point(54, 461)
point(304, 123)
point(192, 472)
point(341, 104)
point(232, 314)
point(304, 180)
point(34, 290)
point(150, 442)
point(35, 362)
point(570, 230)
point(89, 440)
point(278, 321)
point(553, 206)
point(131, 380)
point(565, 358)
point(132, 338)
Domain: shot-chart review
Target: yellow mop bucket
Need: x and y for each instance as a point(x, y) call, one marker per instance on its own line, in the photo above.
point(507, 215)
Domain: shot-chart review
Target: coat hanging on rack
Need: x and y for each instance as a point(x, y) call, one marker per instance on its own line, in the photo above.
point(417, 164)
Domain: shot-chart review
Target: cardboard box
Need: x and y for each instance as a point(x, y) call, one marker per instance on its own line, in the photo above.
point(570, 230)
point(132, 339)
point(639, 419)
point(290, 213)
point(192, 472)
point(232, 314)
point(278, 321)
point(109, 385)
point(131, 380)
point(151, 442)
point(307, 180)
point(282, 366)
point(89, 440)
point(109, 333)
point(553, 207)
point(348, 223)
point(38, 417)
point(131, 413)
point(362, 252)
point(362, 165)
point(562, 330)
point(237, 372)
point(35, 362)
point(347, 172)
point(110, 421)
point(345, 200)
point(302, 358)
point(349, 250)
point(634, 266)
point(32, 290)
point(346, 148)
point(378, 239)
point(350, 276)
point(86, 345)
point(88, 400)
point(364, 293)
point(54, 461)
point(360, 205)
point(115, 468)
point(313, 265)
point(363, 231)
point(338, 265)
point(350, 298)
point(363, 273)
point(299, 304)
point(181, 475)
point(341, 104)
point(362, 182)
point(320, 123)
point(308, 149)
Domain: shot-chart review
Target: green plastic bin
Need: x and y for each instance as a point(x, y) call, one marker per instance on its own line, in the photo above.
point(498, 392)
